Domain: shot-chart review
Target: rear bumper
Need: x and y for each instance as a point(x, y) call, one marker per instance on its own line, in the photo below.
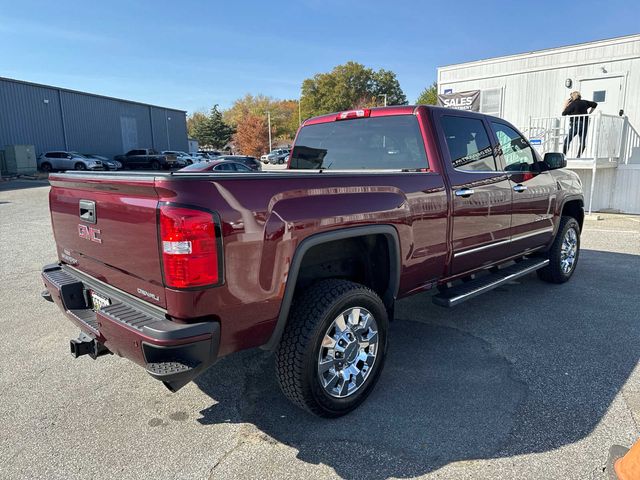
point(172, 352)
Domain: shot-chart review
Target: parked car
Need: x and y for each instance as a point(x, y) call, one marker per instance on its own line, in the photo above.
point(61, 160)
point(199, 157)
point(275, 156)
point(146, 158)
point(181, 156)
point(211, 154)
point(309, 263)
point(108, 163)
point(252, 162)
point(217, 165)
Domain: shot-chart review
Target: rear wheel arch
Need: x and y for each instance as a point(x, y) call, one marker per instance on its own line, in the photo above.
point(574, 207)
point(386, 233)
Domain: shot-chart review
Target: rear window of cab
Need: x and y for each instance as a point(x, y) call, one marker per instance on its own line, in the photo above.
point(378, 143)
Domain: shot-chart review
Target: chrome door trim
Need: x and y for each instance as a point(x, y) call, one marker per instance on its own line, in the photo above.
point(532, 234)
point(483, 247)
point(503, 242)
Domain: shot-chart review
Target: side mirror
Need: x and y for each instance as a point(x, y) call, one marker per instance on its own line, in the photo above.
point(555, 160)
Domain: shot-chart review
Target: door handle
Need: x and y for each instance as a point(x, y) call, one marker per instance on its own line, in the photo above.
point(519, 188)
point(464, 192)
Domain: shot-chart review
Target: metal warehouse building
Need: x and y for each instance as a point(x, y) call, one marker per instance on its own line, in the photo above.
point(52, 118)
point(529, 90)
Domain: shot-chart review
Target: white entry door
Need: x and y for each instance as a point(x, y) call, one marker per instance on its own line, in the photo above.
point(606, 92)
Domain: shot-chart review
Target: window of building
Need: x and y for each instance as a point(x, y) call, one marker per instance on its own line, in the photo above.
point(518, 154)
point(468, 143)
point(599, 96)
point(491, 101)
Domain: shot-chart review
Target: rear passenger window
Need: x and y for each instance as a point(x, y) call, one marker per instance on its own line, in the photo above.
point(518, 155)
point(468, 143)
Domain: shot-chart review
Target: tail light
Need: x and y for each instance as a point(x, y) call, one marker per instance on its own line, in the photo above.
point(190, 247)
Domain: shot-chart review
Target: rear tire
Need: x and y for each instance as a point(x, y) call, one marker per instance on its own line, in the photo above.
point(46, 167)
point(333, 348)
point(80, 166)
point(563, 254)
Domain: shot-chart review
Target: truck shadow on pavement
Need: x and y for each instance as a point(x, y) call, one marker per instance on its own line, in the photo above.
point(525, 369)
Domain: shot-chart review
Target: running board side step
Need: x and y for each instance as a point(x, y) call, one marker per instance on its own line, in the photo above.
point(465, 291)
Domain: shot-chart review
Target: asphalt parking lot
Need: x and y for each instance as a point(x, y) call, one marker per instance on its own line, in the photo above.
point(530, 381)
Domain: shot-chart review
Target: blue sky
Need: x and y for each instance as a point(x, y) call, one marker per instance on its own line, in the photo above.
point(190, 55)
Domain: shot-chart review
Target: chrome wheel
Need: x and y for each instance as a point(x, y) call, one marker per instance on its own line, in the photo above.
point(348, 352)
point(569, 250)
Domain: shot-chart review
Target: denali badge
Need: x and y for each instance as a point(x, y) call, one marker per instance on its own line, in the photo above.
point(148, 294)
point(89, 233)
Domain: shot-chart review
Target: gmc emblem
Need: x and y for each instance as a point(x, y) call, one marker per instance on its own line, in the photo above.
point(89, 233)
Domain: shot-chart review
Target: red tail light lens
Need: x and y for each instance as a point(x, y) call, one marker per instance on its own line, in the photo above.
point(189, 247)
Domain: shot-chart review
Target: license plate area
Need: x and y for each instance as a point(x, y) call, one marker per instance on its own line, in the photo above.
point(98, 301)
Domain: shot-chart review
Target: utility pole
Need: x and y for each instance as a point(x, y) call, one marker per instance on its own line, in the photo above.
point(269, 121)
point(385, 98)
point(300, 111)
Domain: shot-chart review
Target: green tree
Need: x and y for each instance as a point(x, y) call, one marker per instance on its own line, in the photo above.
point(194, 120)
point(349, 86)
point(385, 82)
point(429, 96)
point(212, 130)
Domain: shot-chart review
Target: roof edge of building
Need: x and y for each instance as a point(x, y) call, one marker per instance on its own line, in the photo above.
point(631, 37)
point(70, 90)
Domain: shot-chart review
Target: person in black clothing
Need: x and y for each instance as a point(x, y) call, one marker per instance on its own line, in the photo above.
point(575, 105)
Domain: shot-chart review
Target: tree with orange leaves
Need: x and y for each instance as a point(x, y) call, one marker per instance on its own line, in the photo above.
point(252, 136)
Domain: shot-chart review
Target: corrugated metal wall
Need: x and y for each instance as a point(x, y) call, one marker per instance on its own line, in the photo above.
point(30, 115)
point(58, 119)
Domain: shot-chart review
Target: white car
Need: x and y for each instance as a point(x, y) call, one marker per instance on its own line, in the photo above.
point(60, 160)
point(182, 157)
point(199, 157)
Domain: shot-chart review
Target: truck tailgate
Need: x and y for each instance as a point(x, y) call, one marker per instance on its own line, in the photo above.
point(106, 226)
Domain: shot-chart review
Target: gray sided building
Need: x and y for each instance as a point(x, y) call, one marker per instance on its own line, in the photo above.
point(52, 118)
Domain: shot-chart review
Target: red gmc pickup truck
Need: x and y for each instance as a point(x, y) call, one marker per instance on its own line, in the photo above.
point(176, 270)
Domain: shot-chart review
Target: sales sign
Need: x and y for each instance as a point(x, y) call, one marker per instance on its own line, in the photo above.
point(461, 100)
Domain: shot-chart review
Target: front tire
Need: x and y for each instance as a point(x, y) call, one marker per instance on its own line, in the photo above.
point(333, 348)
point(563, 254)
point(80, 166)
point(155, 165)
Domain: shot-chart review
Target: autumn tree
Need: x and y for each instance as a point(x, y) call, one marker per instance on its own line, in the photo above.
point(349, 86)
point(284, 114)
point(429, 96)
point(252, 135)
point(210, 130)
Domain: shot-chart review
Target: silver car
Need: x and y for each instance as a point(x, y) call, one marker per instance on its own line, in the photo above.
point(275, 156)
point(61, 160)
